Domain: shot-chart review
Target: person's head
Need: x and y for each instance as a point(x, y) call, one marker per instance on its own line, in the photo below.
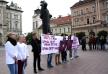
point(12, 38)
point(34, 35)
point(64, 38)
point(21, 39)
point(69, 37)
point(12, 35)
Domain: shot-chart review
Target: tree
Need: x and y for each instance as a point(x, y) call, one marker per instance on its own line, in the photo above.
point(102, 33)
point(92, 33)
point(80, 34)
point(29, 38)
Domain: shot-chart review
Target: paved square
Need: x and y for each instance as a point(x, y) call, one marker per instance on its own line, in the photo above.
point(89, 62)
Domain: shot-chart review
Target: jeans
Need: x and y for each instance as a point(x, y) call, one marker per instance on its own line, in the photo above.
point(49, 60)
point(74, 52)
point(13, 68)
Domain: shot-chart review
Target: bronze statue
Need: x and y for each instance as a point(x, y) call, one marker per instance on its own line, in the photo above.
point(45, 16)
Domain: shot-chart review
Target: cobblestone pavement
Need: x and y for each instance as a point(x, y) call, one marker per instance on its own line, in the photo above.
point(89, 62)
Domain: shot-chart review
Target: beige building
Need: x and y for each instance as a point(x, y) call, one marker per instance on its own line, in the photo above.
point(61, 25)
point(10, 19)
point(89, 15)
point(37, 22)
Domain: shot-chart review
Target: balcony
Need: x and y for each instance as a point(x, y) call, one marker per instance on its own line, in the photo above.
point(97, 23)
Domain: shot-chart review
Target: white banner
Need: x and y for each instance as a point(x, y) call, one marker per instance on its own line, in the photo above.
point(50, 44)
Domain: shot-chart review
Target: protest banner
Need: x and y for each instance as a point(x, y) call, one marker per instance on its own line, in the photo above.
point(50, 44)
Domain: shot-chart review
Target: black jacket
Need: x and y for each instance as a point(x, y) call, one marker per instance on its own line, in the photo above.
point(36, 46)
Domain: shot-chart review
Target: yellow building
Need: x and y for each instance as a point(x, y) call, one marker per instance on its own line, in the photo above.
point(89, 15)
point(59, 25)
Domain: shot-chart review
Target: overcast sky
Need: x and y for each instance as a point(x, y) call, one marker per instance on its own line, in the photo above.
point(56, 7)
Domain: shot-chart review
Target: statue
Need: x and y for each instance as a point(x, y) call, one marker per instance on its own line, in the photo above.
point(45, 16)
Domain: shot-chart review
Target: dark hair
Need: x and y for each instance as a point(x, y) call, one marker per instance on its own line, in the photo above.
point(12, 41)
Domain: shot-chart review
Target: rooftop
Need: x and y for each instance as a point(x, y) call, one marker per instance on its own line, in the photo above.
point(81, 3)
point(62, 20)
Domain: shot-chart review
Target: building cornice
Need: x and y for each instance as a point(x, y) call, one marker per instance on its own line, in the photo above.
point(8, 7)
point(3, 1)
point(81, 3)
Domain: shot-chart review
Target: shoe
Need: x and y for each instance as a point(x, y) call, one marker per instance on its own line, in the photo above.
point(76, 56)
point(35, 71)
point(41, 69)
point(50, 66)
point(71, 58)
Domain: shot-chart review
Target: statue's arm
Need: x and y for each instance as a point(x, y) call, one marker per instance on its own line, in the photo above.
point(50, 15)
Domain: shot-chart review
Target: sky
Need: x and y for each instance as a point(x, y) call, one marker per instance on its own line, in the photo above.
point(55, 7)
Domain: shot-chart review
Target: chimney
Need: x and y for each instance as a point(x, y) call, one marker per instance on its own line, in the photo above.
point(59, 16)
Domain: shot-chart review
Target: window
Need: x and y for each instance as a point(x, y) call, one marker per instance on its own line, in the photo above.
point(64, 30)
point(0, 11)
point(55, 30)
point(68, 29)
point(76, 13)
point(82, 19)
point(52, 30)
point(94, 19)
point(106, 3)
point(93, 8)
point(60, 30)
point(16, 26)
point(87, 10)
point(82, 12)
point(88, 22)
point(12, 15)
point(76, 20)
point(107, 19)
point(16, 16)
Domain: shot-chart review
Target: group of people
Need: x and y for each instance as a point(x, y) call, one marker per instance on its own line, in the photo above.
point(71, 44)
point(16, 53)
point(94, 43)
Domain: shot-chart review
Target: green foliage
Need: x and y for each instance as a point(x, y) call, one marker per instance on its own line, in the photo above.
point(102, 33)
point(92, 33)
point(80, 34)
point(29, 38)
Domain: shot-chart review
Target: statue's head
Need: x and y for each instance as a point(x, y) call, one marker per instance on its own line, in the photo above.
point(43, 4)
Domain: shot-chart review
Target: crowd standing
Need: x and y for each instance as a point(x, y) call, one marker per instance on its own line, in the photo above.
point(94, 43)
point(17, 51)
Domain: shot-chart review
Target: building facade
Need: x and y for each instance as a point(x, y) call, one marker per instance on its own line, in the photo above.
point(10, 19)
point(89, 15)
point(37, 22)
point(61, 25)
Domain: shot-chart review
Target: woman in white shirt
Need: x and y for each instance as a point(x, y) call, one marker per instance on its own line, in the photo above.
point(11, 53)
point(22, 54)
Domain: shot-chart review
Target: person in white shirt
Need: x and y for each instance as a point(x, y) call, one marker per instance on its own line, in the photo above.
point(22, 54)
point(11, 53)
point(75, 46)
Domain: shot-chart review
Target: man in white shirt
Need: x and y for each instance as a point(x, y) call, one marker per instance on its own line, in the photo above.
point(22, 54)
